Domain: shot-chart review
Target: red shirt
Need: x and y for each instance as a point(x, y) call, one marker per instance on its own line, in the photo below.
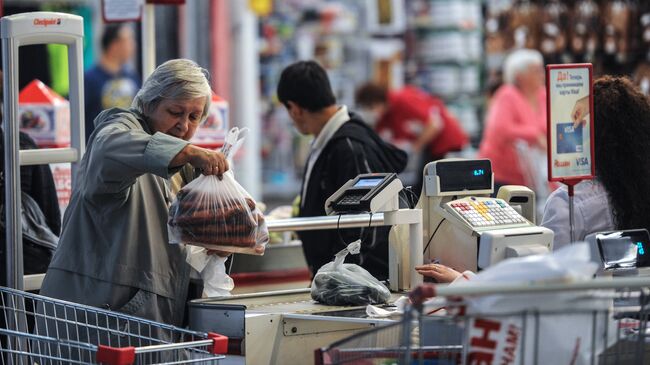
point(511, 118)
point(410, 110)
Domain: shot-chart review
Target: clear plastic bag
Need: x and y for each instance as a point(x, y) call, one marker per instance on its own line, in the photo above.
point(337, 283)
point(218, 215)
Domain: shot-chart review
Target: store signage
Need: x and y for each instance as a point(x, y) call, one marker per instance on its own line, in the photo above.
point(47, 22)
point(570, 122)
point(121, 10)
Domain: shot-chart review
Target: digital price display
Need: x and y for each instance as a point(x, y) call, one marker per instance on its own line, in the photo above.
point(464, 175)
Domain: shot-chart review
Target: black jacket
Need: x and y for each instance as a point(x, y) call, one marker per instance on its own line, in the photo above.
point(354, 149)
point(37, 181)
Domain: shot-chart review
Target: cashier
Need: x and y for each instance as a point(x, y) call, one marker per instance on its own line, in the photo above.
point(114, 250)
point(618, 198)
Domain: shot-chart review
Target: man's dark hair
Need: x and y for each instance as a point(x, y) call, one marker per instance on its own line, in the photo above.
point(306, 84)
point(370, 94)
point(111, 33)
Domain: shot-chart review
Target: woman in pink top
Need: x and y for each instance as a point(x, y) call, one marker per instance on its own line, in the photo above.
point(517, 113)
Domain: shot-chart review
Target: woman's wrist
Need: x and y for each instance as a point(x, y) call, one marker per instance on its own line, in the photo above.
point(183, 157)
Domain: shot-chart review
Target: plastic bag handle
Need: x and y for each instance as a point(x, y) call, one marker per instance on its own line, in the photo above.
point(353, 248)
point(233, 141)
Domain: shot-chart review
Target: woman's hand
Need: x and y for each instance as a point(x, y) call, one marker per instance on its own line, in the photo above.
point(210, 162)
point(441, 273)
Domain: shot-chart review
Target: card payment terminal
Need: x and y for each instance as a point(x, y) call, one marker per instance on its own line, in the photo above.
point(370, 193)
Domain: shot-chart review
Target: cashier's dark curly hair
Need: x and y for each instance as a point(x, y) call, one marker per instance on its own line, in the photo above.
point(622, 135)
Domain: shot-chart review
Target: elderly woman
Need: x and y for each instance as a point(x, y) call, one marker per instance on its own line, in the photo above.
point(517, 113)
point(114, 250)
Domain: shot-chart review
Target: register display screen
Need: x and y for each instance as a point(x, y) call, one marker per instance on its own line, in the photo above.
point(625, 249)
point(465, 175)
point(368, 183)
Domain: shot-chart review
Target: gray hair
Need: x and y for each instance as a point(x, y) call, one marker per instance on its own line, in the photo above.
point(518, 61)
point(179, 79)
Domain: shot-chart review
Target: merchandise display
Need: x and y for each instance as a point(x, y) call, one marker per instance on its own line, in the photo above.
point(447, 54)
point(610, 34)
point(44, 115)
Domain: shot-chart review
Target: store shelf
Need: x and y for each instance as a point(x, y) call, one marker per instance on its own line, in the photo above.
point(422, 25)
point(449, 55)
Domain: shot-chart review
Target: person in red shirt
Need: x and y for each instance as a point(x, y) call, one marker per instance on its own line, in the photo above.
point(410, 117)
point(517, 114)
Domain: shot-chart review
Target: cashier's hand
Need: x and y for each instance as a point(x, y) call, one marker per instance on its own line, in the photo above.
point(580, 112)
point(441, 273)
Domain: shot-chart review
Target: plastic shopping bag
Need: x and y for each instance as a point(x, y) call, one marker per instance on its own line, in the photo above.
point(212, 270)
point(218, 215)
point(216, 283)
point(337, 283)
point(506, 328)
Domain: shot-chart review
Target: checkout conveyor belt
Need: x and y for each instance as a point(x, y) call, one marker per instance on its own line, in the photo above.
point(297, 301)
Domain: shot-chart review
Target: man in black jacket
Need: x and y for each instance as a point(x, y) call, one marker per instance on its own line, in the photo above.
point(343, 147)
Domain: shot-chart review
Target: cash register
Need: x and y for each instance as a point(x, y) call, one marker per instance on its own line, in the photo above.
point(464, 227)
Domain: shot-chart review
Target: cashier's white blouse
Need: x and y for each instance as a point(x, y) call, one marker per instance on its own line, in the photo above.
point(592, 212)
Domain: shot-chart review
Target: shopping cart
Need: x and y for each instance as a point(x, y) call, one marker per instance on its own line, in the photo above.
point(39, 330)
point(606, 323)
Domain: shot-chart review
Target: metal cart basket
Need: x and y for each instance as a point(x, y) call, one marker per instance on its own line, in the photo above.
point(605, 324)
point(39, 330)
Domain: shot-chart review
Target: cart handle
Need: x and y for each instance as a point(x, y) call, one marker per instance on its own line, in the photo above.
point(219, 343)
point(425, 291)
point(115, 355)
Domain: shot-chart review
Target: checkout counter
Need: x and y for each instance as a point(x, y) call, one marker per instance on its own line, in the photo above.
point(285, 327)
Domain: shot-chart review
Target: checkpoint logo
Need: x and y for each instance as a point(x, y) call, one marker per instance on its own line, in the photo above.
point(43, 22)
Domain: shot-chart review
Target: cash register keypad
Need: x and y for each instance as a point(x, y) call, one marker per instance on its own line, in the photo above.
point(487, 213)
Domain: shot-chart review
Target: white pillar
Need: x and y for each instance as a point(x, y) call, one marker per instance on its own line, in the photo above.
point(245, 100)
point(148, 40)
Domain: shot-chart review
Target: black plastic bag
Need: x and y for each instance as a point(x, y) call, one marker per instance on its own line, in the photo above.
point(337, 283)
